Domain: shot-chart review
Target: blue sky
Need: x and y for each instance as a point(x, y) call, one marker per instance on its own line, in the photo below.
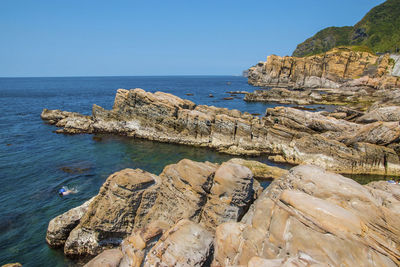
point(96, 37)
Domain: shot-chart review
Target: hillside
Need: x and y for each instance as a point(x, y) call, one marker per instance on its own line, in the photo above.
point(379, 30)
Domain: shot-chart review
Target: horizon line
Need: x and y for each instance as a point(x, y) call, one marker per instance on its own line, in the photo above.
point(98, 76)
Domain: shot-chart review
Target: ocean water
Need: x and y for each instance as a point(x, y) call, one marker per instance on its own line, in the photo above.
point(35, 162)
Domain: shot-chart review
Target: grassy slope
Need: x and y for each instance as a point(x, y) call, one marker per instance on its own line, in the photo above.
point(379, 30)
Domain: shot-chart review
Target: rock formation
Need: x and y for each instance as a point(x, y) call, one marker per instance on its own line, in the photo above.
point(306, 217)
point(339, 67)
point(311, 217)
point(260, 170)
point(286, 134)
point(185, 244)
point(16, 264)
point(141, 204)
point(60, 227)
point(108, 258)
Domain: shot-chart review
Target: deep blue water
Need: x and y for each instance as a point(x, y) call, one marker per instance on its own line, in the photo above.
point(35, 162)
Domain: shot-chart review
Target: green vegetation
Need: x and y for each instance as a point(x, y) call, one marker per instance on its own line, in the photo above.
point(361, 48)
point(391, 62)
point(379, 31)
point(323, 41)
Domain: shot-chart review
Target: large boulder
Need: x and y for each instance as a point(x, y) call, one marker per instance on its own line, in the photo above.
point(391, 113)
point(184, 244)
point(108, 258)
point(313, 217)
point(231, 194)
point(261, 171)
point(111, 215)
point(60, 227)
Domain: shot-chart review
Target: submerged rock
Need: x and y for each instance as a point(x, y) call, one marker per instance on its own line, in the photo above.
point(311, 216)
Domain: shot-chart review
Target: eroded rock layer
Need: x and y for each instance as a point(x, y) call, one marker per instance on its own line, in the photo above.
point(314, 218)
point(203, 214)
point(332, 69)
point(141, 204)
point(286, 134)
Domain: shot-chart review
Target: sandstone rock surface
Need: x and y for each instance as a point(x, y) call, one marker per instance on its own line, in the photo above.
point(391, 113)
point(260, 170)
point(286, 134)
point(313, 217)
point(306, 217)
point(184, 244)
point(110, 216)
point(332, 69)
point(138, 206)
point(16, 264)
point(60, 227)
point(108, 258)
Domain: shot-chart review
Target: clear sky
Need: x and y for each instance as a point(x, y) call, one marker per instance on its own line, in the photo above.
point(166, 37)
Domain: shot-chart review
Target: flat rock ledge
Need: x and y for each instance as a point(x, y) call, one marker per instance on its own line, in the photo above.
point(286, 134)
point(200, 214)
point(139, 207)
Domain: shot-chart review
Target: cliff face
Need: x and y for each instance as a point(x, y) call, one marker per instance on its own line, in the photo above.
point(379, 30)
point(329, 70)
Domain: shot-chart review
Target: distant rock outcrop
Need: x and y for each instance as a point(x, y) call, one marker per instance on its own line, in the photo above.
point(333, 69)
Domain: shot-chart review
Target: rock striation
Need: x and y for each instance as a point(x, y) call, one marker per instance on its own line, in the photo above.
point(285, 134)
point(339, 67)
point(60, 227)
point(312, 217)
point(306, 217)
point(140, 205)
point(260, 170)
point(184, 244)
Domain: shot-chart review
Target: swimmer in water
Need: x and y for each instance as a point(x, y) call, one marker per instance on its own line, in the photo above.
point(65, 191)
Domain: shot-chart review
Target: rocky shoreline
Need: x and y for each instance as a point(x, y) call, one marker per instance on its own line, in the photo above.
point(343, 142)
point(204, 214)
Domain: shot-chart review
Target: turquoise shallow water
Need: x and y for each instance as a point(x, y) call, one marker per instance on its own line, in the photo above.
point(35, 162)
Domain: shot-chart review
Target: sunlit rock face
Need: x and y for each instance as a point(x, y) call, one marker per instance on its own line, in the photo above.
point(333, 69)
point(313, 217)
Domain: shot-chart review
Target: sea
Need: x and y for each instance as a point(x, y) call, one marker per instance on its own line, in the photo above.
point(35, 162)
